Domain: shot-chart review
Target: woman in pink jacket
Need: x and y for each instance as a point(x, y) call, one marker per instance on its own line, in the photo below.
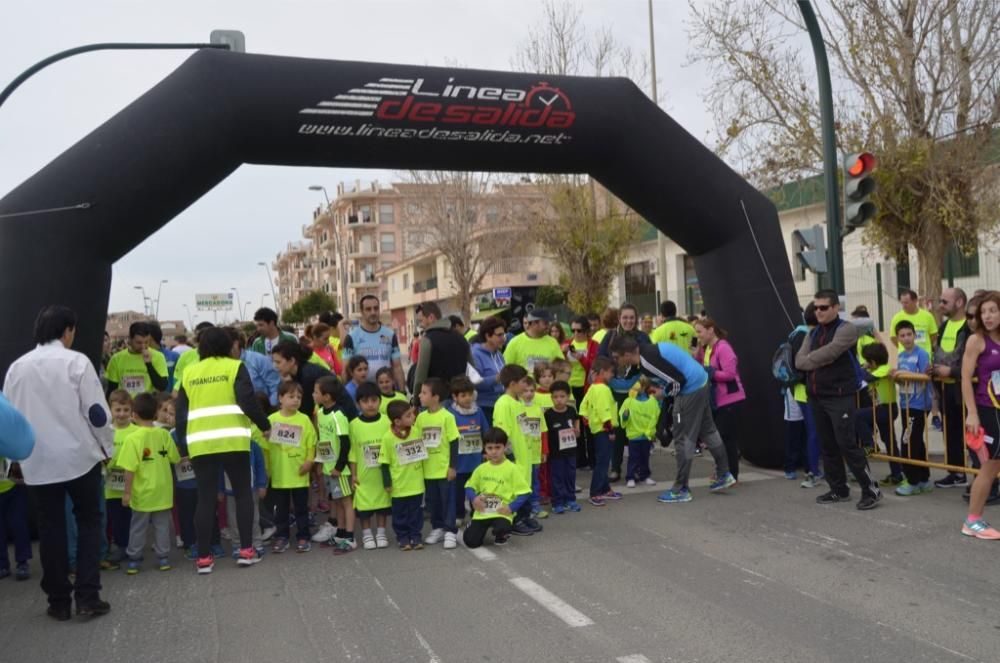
point(719, 359)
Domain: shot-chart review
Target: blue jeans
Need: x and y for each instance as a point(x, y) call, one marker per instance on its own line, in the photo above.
point(440, 497)
point(536, 485)
point(562, 475)
point(599, 484)
point(812, 440)
point(14, 526)
point(638, 459)
point(408, 519)
point(121, 521)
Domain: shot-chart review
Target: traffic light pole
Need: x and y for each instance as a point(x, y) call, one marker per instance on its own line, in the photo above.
point(835, 263)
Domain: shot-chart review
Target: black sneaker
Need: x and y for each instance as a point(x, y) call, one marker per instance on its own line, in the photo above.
point(501, 539)
point(831, 497)
point(95, 609)
point(522, 529)
point(952, 481)
point(533, 524)
point(868, 502)
point(60, 613)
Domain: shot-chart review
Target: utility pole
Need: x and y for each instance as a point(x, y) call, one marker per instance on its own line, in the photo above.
point(661, 239)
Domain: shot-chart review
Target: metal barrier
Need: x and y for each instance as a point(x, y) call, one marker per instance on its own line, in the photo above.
point(894, 452)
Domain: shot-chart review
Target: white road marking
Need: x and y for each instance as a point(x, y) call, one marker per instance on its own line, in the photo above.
point(633, 658)
point(482, 554)
point(427, 647)
point(551, 602)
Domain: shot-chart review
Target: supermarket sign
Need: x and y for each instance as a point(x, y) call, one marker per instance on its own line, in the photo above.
point(214, 301)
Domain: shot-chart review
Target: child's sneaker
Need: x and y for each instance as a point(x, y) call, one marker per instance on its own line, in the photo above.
point(247, 557)
point(791, 476)
point(892, 480)
point(368, 542)
point(204, 565)
point(650, 481)
point(925, 487)
point(179, 541)
point(540, 513)
point(163, 564)
point(980, 529)
point(725, 481)
point(344, 546)
point(218, 552)
point(597, 500)
point(612, 495)
point(574, 506)
point(191, 553)
point(303, 546)
point(235, 553)
point(133, 567)
point(418, 546)
point(406, 547)
point(905, 488)
point(630, 483)
point(674, 496)
point(501, 539)
point(810, 481)
point(450, 541)
point(522, 529)
point(22, 571)
point(109, 565)
point(381, 541)
point(280, 545)
point(434, 537)
point(577, 489)
point(324, 533)
point(559, 509)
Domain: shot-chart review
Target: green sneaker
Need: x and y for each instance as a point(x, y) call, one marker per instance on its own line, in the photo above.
point(891, 480)
point(925, 487)
point(906, 489)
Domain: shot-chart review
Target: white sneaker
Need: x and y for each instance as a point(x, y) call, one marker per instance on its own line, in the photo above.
point(649, 481)
point(434, 537)
point(381, 541)
point(268, 533)
point(324, 533)
point(368, 542)
point(450, 541)
point(630, 483)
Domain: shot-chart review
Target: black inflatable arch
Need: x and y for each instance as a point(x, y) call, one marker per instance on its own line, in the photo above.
point(218, 110)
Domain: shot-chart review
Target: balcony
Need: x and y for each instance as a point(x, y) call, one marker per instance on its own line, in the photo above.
point(362, 278)
point(424, 286)
point(362, 250)
point(357, 221)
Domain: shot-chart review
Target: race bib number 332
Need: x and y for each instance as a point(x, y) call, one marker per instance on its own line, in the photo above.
point(411, 451)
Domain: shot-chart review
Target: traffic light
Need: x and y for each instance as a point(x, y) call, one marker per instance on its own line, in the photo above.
point(859, 185)
point(810, 249)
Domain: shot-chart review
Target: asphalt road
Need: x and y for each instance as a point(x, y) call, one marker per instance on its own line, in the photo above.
point(759, 574)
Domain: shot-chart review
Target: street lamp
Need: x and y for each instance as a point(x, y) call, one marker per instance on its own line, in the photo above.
point(239, 307)
point(159, 288)
point(266, 294)
point(190, 321)
point(246, 310)
point(341, 258)
point(270, 280)
point(145, 311)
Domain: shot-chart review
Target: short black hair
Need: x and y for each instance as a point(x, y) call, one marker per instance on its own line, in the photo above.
point(668, 309)
point(456, 321)
point(602, 364)
point(181, 338)
point(461, 384)
point(367, 390)
point(438, 388)
point(329, 385)
point(52, 322)
point(155, 332)
point(560, 385)
point(511, 373)
point(910, 293)
point(361, 302)
point(397, 409)
point(876, 353)
point(145, 406)
point(904, 324)
point(809, 315)
point(354, 362)
point(214, 342)
point(265, 314)
point(138, 329)
point(331, 318)
point(829, 295)
point(623, 344)
point(291, 350)
point(204, 324)
point(495, 435)
point(430, 308)
point(582, 321)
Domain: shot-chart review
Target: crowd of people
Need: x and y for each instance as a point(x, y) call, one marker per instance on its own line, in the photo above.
point(277, 442)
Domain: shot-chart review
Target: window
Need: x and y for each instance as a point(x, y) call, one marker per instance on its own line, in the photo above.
point(365, 212)
point(406, 281)
point(959, 265)
point(387, 243)
point(392, 284)
point(386, 213)
point(492, 214)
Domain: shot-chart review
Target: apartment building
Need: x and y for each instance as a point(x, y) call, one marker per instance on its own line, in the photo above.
point(293, 273)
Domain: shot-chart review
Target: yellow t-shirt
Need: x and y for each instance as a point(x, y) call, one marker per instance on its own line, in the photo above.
point(598, 407)
point(508, 415)
point(639, 417)
point(677, 331)
point(129, 372)
point(149, 453)
point(405, 457)
point(366, 446)
point(502, 481)
point(923, 323)
point(292, 443)
point(439, 432)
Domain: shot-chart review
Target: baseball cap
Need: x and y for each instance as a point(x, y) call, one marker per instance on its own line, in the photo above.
point(538, 314)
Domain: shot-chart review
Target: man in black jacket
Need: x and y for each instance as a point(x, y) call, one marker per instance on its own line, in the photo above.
point(948, 350)
point(832, 380)
point(444, 353)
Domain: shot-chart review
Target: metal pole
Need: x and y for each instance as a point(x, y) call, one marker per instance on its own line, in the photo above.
point(270, 280)
point(159, 289)
point(661, 239)
point(239, 306)
point(62, 55)
point(833, 238)
point(878, 293)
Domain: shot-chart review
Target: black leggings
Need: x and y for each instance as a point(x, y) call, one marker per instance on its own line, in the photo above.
point(207, 470)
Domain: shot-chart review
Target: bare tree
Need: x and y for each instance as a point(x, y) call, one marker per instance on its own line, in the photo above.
point(470, 220)
point(916, 81)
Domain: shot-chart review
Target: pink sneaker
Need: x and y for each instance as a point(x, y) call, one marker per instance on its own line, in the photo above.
point(980, 529)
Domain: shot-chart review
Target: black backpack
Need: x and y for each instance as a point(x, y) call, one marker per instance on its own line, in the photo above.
point(783, 362)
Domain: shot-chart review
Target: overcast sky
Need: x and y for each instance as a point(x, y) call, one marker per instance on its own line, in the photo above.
point(266, 206)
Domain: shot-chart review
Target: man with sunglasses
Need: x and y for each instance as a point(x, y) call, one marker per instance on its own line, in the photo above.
point(947, 367)
point(832, 381)
point(535, 344)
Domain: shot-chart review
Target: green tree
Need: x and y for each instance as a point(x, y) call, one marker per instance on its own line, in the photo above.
point(550, 295)
point(915, 83)
point(310, 304)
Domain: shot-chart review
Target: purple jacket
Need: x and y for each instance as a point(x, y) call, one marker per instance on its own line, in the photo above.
point(725, 374)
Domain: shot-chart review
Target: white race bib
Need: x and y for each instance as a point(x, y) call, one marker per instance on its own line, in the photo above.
point(432, 437)
point(567, 439)
point(411, 451)
point(116, 479)
point(921, 335)
point(470, 443)
point(995, 382)
point(184, 470)
point(491, 504)
point(371, 455)
point(134, 384)
point(287, 434)
point(324, 452)
point(531, 427)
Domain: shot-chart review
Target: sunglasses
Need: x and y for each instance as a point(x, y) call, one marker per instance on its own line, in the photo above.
point(970, 316)
point(576, 330)
point(823, 307)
